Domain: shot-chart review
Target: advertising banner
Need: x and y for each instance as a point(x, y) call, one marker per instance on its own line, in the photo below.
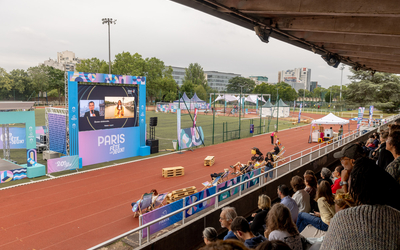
point(360, 116)
point(199, 196)
point(159, 212)
point(227, 184)
point(61, 164)
point(371, 111)
point(16, 137)
point(301, 105)
point(190, 137)
point(250, 175)
point(195, 117)
point(108, 145)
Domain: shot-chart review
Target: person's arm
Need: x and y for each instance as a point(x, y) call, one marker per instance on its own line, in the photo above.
point(345, 178)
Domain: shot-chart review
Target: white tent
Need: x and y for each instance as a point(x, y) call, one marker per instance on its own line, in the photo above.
point(329, 119)
point(281, 108)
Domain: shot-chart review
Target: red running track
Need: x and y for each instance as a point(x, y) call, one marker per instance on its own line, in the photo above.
point(83, 210)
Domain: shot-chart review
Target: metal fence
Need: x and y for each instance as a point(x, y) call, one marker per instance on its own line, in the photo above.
point(285, 165)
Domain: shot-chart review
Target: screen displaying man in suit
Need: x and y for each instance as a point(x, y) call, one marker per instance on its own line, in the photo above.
point(92, 112)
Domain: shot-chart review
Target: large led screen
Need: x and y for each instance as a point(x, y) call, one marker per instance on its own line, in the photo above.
point(105, 107)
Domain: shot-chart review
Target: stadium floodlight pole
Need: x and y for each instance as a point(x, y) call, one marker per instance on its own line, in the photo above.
point(341, 80)
point(109, 21)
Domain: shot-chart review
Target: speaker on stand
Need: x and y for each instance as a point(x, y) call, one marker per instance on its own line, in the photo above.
point(152, 142)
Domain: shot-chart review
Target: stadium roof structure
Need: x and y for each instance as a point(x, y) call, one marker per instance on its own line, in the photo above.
point(362, 34)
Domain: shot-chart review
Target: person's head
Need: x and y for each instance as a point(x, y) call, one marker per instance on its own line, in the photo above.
point(310, 180)
point(240, 227)
point(210, 235)
point(367, 184)
point(119, 102)
point(283, 191)
point(276, 144)
point(264, 202)
point(226, 217)
point(297, 183)
point(324, 190)
point(154, 191)
point(393, 142)
point(269, 156)
point(384, 135)
point(280, 218)
point(397, 121)
point(255, 151)
point(254, 158)
point(338, 171)
point(260, 158)
point(273, 245)
point(325, 173)
point(91, 105)
point(225, 245)
point(348, 155)
point(393, 127)
point(309, 172)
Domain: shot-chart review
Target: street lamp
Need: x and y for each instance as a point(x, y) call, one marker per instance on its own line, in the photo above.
point(341, 79)
point(109, 21)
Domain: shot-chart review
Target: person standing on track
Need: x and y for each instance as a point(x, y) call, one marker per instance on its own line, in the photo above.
point(272, 137)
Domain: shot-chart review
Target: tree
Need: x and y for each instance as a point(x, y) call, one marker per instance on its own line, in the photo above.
point(127, 64)
point(201, 92)
point(265, 88)
point(93, 65)
point(380, 89)
point(157, 77)
point(6, 84)
point(307, 93)
point(237, 82)
point(39, 78)
point(187, 87)
point(56, 82)
point(286, 92)
point(195, 74)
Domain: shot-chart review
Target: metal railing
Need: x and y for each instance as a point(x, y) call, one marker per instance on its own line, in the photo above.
point(304, 157)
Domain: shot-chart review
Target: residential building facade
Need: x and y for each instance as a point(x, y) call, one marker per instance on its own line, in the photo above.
point(66, 60)
point(299, 78)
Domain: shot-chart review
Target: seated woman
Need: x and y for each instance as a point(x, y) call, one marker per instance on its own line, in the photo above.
point(239, 167)
point(373, 222)
point(258, 223)
point(280, 226)
point(336, 174)
point(210, 235)
point(326, 176)
point(326, 207)
point(311, 188)
point(255, 151)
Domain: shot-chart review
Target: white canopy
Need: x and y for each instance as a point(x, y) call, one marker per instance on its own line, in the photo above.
point(227, 97)
point(330, 119)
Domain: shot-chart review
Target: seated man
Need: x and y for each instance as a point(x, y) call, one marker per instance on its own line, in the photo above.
point(276, 150)
point(240, 227)
point(226, 217)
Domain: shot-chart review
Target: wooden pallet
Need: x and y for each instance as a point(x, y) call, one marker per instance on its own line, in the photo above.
point(209, 161)
point(180, 193)
point(173, 172)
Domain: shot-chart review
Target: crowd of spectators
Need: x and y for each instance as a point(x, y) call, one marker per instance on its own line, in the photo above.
point(356, 206)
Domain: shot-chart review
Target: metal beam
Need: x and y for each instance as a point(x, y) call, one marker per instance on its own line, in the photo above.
point(340, 48)
point(368, 40)
point(387, 8)
point(383, 26)
point(363, 56)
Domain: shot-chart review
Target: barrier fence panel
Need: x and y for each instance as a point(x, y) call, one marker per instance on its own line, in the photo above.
point(235, 186)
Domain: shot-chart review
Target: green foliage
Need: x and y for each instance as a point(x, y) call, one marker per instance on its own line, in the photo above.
point(56, 81)
point(306, 94)
point(237, 82)
point(93, 65)
point(201, 92)
point(381, 90)
point(39, 78)
point(195, 74)
point(127, 64)
point(6, 84)
point(188, 87)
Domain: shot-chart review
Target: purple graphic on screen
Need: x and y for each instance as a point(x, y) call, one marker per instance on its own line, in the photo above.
point(108, 145)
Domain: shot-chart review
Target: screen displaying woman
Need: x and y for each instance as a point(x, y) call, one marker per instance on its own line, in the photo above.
point(119, 110)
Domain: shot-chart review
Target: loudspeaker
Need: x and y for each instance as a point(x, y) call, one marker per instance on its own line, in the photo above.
point(153, 144)
point(43, 139)
point(153, 121)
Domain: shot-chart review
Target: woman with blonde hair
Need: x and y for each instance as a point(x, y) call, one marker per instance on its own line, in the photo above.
point(264, 204)
point(280, 226)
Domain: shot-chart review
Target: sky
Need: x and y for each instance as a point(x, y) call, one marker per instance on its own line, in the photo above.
point(34, 31)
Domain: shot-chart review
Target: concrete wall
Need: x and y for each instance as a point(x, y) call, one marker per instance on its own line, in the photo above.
point(189, 236)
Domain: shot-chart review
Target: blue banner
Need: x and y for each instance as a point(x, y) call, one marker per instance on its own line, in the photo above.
point(159, 212)
point(301, 105)
point(227, 184)
point(250, 175)
point(16, 136)
point(360, 116)
point(199, 196)
point(371, 111)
